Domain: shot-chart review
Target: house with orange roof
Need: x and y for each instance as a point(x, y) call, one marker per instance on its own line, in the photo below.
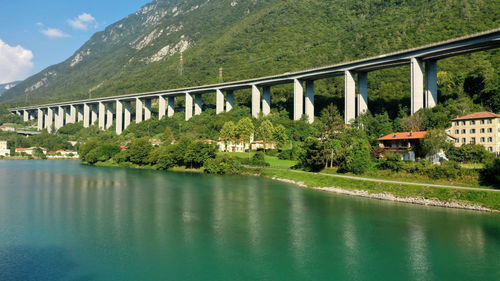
point(477, 128)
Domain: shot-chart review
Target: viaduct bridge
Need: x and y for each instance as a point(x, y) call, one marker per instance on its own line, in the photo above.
point(117, 109)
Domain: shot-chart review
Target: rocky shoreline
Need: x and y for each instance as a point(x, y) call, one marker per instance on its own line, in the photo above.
point(390, 197)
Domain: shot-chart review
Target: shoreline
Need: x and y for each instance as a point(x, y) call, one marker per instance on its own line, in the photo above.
point(386, 196)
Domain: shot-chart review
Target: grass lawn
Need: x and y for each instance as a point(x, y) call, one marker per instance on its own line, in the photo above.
point(273, 161)
point(489, 199)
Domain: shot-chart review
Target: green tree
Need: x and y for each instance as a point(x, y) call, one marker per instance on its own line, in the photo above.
point(280, 136)
point(311, 158)
point(245, 129)
point(434, 142)
point(265, 132)
point(139, 150)
point(228, 133)
point(198, 152)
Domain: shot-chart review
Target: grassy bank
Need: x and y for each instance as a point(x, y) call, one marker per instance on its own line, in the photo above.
point(488, 199)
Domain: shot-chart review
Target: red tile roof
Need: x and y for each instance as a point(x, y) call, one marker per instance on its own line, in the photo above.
point(478, 115)
point(404, 136)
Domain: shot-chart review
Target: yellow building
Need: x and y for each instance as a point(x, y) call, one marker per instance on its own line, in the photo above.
point(4, 151)
point(477, 128)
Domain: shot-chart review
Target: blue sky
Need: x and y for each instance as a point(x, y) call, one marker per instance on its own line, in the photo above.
point(51, 30)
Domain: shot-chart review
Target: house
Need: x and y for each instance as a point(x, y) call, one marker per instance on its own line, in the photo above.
point(29, 150)
point(7, 129)
point(62, 154)
point(4, 150)
point(230, 146)
point(477, 128)
point(405, 143)
point(259, 145)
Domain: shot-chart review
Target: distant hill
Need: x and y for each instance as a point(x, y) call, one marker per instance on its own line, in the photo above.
point(262, 37)
point(7, 86)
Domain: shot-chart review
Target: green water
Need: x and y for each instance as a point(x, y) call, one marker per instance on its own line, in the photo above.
point(63, 221)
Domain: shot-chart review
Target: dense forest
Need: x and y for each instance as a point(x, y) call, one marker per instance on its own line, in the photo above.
point(257, 38)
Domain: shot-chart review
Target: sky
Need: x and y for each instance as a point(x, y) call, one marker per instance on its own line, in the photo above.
point(36, 34)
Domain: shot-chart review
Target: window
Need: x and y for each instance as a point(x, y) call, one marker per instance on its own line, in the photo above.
point(463, 122)
point(482, 139)
point(490, 149)
point(490, 121)
point(472, 131)
point(481, 122)
point(472, 122)
point(490, 139)
point(463, 131)
point(457, 123)
point(457, 140)
point(482, 130)
point(457, 132)
point(464, 140)
point(490, 130)
point(473, 140)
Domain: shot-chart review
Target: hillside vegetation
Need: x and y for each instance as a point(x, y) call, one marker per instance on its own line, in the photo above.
point(257, 38)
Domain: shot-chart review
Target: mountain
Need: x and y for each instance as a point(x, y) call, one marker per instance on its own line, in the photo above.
point(263, 37)
point(7, 86)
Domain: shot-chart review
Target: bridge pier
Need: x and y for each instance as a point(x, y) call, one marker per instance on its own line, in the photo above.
point(79, 109)
point(219, 101)
point(102, 115)
point(127, 114)
point(162, 107)
point(138, 110)
point(40, 119)
point(266, 100)
point(298, 99)
point(49, 117)
point(119, 117)
point(86, 115)
point(171, 106)
point(417, 85)
point(72, 113)
point(431, 83)
point(94, 114)
point(188, 106)
point(349, 97)
point(362, 99)
point(26, 115)
point(109, 115)
point(59, 117)
point(309, 101)
point(147, 109)
point(255, 101)
point(198, 103)
point(229, 100)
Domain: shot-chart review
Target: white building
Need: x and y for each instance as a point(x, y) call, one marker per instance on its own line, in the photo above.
point(4, 151)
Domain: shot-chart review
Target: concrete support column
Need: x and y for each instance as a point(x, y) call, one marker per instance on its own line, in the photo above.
point(80, 112)
point(40, 119)
point(255, 101)
point(362, 93)
point(431, 83)
point(67, 118)
point(162, 107)
point(309, 101)
point(349, 97)
point(298, 99)
point(94, 114)
point(59, 117)
point(219, 101)
point(127, 116)
point(86, 115)
point(147, 109)
point(72, 114)
point(119, 117)
point(171, 106)
point(138, 110)
point(266, 100)
point(197, 104)
point(49, 117)
point(32, 115)
point(109, 115)
point(229, 100)
point(26, 116)
point(189, 106)
point(102, 115)
point(417, 85)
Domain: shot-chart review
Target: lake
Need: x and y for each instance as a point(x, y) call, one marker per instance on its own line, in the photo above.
point(60, 220)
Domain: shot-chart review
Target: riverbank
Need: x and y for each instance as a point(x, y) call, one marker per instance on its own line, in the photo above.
point(478, 200)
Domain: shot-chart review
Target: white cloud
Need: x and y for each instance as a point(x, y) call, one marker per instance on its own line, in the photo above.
point(83, 21)
point(15, 62)
point(54, 33)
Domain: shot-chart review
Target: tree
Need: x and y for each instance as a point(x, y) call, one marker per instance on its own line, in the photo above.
point(311, 159)
point(168, 135)
point(265, 132)
point(198, 152)
point(280, 136)
point(354, 152)
point(38, 153)
point(163, 157)
point(245, 129)
point(435, 141)
point(139, 150)
point(228, 133)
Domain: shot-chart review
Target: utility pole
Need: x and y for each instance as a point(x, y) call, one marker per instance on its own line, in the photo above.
point(221, 79)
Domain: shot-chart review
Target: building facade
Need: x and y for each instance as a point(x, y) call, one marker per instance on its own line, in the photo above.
point(4, 150)
point(477, 128)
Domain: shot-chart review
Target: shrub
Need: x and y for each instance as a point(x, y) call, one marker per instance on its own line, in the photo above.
point(449, 169)
point(163, 158)
point(258, 159)
point(222, 165)
point(139, 150)
point(198, 152)
point(311, 159)
point(491, 173)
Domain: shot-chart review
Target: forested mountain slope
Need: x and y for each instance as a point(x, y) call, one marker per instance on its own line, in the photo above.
point(264, 37)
